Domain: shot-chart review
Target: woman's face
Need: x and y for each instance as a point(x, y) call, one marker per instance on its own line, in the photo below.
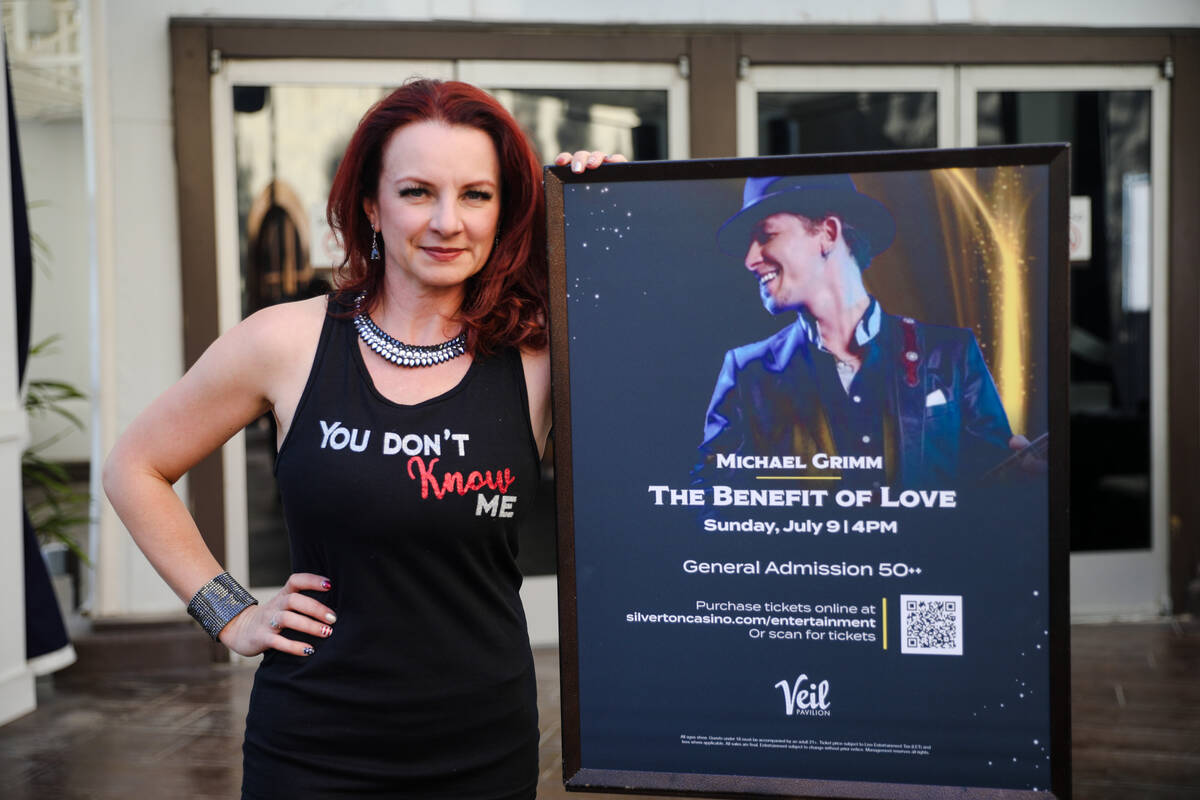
point(437, 204)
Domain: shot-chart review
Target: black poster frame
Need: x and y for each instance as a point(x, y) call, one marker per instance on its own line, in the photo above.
point(578, 775)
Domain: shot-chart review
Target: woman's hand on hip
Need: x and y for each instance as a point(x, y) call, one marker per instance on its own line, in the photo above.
point(260, 627)
point(587, 159)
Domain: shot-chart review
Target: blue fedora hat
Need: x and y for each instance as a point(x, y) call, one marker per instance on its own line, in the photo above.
point(812, 196)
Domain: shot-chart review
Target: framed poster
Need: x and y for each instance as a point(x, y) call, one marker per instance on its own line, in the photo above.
point(810, 426)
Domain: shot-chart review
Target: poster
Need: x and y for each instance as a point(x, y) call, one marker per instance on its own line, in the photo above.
point(810, 447)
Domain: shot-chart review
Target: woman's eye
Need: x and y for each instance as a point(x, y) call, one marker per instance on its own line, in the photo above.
point(478, 194)
point(414, 191)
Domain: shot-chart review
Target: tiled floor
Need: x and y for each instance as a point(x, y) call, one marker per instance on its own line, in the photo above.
point(177, 735)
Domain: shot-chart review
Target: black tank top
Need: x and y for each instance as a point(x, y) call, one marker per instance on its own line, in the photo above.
point(425, 688)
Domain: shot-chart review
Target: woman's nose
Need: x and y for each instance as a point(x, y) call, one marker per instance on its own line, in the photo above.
point(446, 219)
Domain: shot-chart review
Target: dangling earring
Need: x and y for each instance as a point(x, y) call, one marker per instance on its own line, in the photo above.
point(496, 242)
point(374, 245)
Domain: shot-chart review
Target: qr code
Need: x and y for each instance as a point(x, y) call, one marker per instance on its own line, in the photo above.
point(931, 624)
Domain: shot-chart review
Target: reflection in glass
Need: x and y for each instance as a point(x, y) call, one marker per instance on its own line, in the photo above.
point(1109, 134)
point(632, 122)
point(287, 144)
point(800, 123)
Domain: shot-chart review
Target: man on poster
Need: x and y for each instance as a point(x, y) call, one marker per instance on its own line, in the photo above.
point(900, 402)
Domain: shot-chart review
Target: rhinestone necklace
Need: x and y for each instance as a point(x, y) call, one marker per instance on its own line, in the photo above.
point(406, 355)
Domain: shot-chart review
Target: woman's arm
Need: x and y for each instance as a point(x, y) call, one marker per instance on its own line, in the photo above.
point(240, 376)
point(536, 364)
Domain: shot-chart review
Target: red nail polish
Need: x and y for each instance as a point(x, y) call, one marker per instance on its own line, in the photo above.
point(326, 585)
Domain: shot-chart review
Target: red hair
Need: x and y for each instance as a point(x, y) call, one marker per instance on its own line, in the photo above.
point(505, 302)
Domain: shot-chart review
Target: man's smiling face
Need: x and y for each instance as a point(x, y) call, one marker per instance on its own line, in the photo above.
point(787, 255)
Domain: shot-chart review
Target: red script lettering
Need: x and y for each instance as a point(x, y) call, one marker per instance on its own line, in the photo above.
point(497, 481)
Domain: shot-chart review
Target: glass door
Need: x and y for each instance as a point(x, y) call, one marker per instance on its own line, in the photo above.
point(805, 110)
point(1115, 119)
point(639, 110)
point(279, 128)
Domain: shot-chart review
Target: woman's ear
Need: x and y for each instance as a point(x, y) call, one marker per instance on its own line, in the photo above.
point(369, 209)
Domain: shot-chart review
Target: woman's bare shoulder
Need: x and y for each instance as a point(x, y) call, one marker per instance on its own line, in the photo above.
point(292, 318)
point(279, 342)
point(283, 330)
point(284, 338)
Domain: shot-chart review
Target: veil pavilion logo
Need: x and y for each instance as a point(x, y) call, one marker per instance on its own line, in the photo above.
point(805, 697)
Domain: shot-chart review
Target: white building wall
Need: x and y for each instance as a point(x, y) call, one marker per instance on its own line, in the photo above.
point(1068, 13)
point(53, 168)
point(135, 265)
point(16, 680)
point(132, 173)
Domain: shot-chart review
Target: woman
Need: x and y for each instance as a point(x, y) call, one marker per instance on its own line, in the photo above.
point(396, 659)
